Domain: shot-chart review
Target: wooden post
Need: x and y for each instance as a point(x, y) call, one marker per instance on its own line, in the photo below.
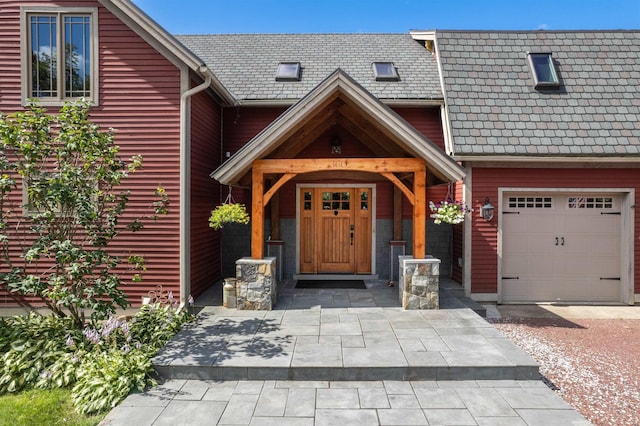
point(257, 214)
point(419, 213)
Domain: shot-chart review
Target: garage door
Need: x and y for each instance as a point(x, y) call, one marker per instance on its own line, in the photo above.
point(561, 247)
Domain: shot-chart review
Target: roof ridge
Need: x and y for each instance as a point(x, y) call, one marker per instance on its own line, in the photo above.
point(539, 31)
point(296, 34)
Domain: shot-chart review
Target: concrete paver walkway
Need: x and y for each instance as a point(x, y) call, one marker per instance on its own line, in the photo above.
point(320, 403)
point(344, 357)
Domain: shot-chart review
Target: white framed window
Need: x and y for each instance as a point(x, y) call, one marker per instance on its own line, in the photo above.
point(59, 54)
point(590, 202)
point(531, 202)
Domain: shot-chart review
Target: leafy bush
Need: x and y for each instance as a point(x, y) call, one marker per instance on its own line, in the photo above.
point(103, 364)
point(106, 378)
point(73, 179)
point(34, 352)
point(155, 325)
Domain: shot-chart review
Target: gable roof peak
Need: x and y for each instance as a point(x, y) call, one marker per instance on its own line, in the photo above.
point(338, 84)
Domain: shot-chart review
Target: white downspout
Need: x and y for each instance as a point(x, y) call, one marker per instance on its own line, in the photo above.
point(185, 184)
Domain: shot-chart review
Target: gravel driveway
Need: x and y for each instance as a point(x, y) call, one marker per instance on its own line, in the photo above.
point(593, 364)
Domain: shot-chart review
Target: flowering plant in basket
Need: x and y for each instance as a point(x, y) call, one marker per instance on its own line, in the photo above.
point(228, 213)
point(448, 211)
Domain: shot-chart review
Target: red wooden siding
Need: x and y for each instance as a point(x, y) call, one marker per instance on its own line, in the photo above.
point(240, 126)
point(205, 192)
point(458, 239)
point(427, 121)
point(486, 182)
point(140, 99)
point(9, 55)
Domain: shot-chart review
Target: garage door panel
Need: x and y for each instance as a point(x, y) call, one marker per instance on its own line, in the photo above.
point(517, 290)
point(577, 223)
point(598, 266)
point(592, 246)
point(604, 290)
point(535, 264)
point(560, 251)
point(588, 290)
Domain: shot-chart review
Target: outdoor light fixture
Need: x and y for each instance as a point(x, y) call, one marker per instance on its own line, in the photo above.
point(336, 145)
point(486, 211)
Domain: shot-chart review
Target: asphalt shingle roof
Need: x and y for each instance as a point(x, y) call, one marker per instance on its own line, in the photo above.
point(246, 63)
point(494, 109)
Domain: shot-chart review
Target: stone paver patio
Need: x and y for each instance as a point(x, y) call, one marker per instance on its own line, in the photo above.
point(342, 357)
point(268, 402)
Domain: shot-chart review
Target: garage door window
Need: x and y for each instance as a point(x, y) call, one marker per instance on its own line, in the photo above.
point(530, 202)
point(590, 203)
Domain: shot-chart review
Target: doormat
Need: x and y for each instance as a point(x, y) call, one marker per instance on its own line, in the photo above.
point(346, 284)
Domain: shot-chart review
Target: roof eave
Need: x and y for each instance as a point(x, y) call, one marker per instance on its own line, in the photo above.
point(546, 158)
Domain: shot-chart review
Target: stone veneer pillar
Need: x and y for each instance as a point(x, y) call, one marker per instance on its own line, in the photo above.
point(419, 282)
point(256, 284)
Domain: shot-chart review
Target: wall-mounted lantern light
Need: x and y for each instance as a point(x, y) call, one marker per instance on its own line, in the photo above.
point(486, 211)
point(336, 145)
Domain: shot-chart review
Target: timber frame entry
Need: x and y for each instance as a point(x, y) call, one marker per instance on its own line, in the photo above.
point(386, 167)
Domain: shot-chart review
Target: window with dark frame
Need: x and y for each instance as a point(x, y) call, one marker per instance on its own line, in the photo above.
point(60, 55)
point(288, 71)
point(385, 71)
point(543, 71)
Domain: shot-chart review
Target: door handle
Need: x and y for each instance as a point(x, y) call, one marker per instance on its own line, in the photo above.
point(561, 241)
point(352, 228)
point(556, 240)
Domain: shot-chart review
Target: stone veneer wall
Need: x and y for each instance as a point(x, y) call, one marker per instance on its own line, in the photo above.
point(256, 284)
point(236, 243)
point(419, 283)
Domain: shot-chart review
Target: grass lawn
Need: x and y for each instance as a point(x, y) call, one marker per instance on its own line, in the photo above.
point(42, 407)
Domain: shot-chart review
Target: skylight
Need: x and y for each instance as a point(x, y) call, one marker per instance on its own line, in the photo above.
point(543, 70)
point(385, 71)
point(288, 71)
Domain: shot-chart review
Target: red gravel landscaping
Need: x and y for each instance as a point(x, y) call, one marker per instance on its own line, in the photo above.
point(593, 364)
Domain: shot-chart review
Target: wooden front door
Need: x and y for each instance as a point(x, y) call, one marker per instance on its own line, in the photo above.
point(335, 230)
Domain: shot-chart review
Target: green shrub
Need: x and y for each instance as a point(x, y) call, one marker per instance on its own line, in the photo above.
point(103, 364)
point(34, 352)
point(72, 178)
point(106, 378)
point(155, 325)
